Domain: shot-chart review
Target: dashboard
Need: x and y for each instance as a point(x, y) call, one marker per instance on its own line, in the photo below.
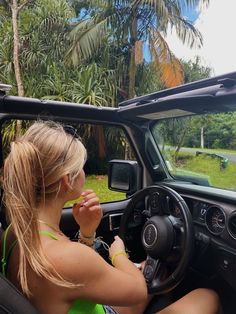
point(215, 233)
point(217, 219)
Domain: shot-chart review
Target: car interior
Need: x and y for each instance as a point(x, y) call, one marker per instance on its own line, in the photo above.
point(169, 158)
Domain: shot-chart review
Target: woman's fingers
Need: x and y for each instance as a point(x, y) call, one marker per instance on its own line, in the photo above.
point(91, 202)
point(88, 213)
point(87, 192)
point(93, 209)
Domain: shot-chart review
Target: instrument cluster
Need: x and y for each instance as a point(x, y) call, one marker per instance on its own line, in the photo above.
point(212, 216)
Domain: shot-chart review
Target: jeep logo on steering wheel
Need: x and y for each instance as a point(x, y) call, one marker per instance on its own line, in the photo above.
point(149, 235)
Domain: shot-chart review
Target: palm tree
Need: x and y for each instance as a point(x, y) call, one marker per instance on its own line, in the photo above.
point(15, 8)
point(94, 85)
point(32, 37)
point(131, 24)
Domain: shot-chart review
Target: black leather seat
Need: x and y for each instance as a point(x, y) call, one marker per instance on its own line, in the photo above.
point(12, 301)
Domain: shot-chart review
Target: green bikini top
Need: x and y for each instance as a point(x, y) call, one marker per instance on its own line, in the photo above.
point(78, 306)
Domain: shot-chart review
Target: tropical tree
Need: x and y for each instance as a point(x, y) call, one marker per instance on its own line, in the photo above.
point(94, 85)
point(6, 47)
point(194, 70)
point(130, 25)
point(147, 79)
point(15, 7)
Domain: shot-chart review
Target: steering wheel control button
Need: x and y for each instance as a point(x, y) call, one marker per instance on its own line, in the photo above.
point(225, 264)
point(148, 272)
point(149, 235)
point(154, 203)
point(150, 269)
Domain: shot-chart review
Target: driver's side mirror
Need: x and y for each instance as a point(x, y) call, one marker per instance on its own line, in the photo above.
point(123, 176)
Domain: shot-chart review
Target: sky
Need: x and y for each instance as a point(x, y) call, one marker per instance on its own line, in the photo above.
point(217, 24)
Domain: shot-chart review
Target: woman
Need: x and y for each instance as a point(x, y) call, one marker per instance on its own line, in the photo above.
point(43, 171)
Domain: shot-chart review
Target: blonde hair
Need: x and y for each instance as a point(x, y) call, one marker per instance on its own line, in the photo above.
point(32, 173)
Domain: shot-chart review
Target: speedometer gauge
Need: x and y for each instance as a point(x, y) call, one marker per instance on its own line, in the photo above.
point(215, 220)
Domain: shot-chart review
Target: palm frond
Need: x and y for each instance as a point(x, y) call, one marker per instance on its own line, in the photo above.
point(194, 3)
point(86, 38)
point(160, 7)
point(187, 33)
point(165, 62)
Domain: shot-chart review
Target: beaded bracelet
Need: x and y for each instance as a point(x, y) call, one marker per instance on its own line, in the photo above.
point(89, 241)
point(117, 254)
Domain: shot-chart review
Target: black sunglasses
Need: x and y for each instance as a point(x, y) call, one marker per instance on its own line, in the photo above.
point(69, 129)
point(73, 132)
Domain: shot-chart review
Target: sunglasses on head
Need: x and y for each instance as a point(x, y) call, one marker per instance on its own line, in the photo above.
point(73, 132)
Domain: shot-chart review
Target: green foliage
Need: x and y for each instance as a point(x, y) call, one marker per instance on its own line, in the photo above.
point(94, 85)
point(194, 71)
point(47, 30)
point(51, 31)
point(147, 80)
point(100, 185)
point(219, 131)
point(44, 32)
point(126, 26)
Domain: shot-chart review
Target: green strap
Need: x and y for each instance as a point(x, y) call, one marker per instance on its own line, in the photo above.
point(7, 253)
point(48, 234)
point(86, 307)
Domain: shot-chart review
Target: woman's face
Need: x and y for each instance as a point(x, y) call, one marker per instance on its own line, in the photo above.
point(77, 187)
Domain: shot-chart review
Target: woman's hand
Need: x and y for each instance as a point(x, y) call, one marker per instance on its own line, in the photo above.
point(88, 213)
point(116, 246)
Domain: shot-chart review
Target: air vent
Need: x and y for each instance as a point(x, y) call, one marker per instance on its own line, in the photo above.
point(232, 225)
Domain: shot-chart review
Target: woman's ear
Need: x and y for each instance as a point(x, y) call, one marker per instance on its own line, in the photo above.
point(65, 183)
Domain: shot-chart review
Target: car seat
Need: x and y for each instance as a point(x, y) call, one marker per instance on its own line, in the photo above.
point(12, 301)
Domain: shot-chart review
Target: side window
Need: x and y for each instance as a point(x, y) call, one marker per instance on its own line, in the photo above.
point(103, 143)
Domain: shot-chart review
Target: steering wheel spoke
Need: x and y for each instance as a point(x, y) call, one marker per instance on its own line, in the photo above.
point(177, 223)
point(155, 269)
point(159, 204)
point(151, 268)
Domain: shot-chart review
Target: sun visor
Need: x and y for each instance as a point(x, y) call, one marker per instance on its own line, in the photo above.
point(172, 113)
point(171, 108)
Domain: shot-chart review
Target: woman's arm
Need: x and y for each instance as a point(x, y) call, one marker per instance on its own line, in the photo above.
point(121, 285)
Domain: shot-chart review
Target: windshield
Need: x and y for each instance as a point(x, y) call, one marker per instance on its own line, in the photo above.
point(200, 149)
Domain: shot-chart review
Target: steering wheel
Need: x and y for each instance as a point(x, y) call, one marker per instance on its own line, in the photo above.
point(167, 236)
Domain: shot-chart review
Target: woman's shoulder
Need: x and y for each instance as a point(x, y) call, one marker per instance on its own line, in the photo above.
point(74, 260)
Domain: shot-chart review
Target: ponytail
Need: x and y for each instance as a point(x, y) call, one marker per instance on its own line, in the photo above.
point(24, 188)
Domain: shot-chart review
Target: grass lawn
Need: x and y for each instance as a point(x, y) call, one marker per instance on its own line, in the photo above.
point(206, 165)
point(99, 183)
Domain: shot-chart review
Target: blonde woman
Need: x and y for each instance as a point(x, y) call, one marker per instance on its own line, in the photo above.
point(43, 171)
